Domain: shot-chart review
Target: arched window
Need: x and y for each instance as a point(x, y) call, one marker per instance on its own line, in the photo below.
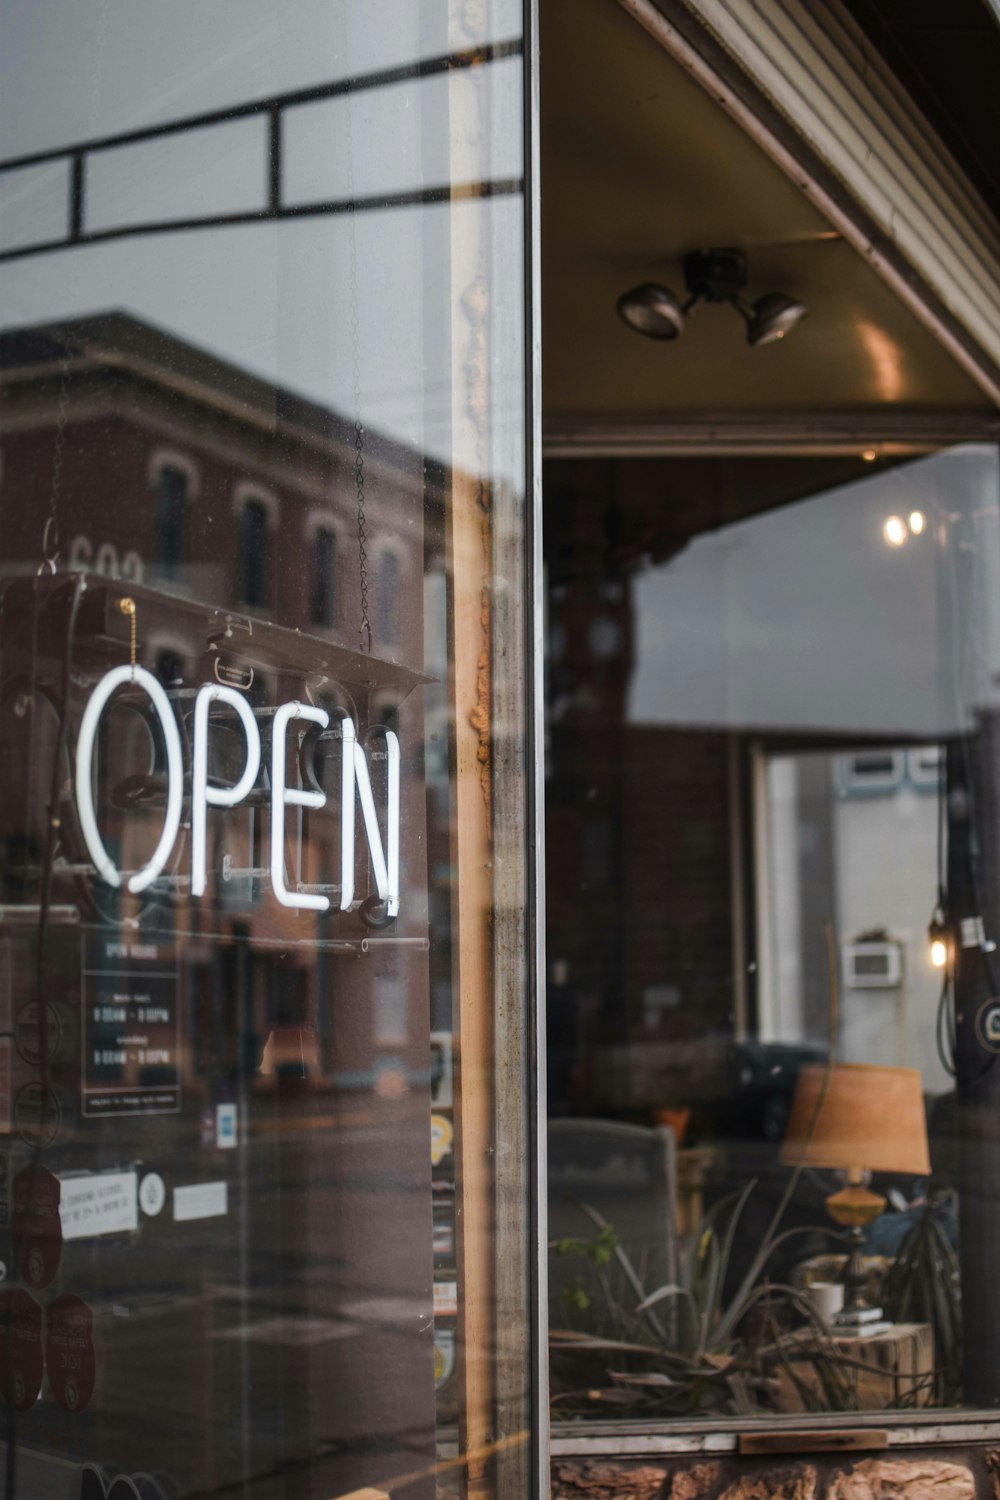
point(323, 583)
point(253, 552)
point(387, 612)
point(171, 495)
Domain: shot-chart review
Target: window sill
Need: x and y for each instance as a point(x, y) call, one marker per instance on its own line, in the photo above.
point(642, 1439)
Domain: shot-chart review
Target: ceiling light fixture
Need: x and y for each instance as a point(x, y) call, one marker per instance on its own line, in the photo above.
point(710, 276)
point(894, 530)
point(652, 310)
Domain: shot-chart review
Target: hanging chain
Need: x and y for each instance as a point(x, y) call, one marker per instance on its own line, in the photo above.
point(359, 478)
point(126, 606)
point(365, 629)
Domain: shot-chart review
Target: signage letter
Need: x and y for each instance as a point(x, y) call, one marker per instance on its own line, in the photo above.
point(282, 795)
point(204, 796)
point(385, 863)
point(84, 771)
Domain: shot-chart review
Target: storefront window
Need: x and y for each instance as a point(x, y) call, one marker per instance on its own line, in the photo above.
point(772, 896)
point(265, 1145)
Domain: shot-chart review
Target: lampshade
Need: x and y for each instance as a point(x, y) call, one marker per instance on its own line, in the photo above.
point(869, 1117)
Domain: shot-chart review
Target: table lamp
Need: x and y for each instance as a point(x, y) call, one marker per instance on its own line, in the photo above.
point(857, 1119)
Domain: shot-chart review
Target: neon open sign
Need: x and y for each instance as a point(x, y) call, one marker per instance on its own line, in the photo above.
point(355, 786)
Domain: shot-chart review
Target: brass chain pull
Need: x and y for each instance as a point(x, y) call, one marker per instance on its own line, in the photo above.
point(127, 607)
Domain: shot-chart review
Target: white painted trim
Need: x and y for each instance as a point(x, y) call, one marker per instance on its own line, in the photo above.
point(397, 547)
point(160, 641)
point(248, 489)
point(318, 519)
point(830, 115)
point(169, 458)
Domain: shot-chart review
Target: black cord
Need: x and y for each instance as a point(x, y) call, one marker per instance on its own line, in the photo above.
point(944, 1030)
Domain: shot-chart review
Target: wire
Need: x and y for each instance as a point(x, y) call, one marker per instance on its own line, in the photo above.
point(944, 1030)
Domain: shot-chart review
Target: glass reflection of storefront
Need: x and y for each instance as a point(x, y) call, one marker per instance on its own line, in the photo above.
point(249, 505)
point(187, 1035)
point(358, 808)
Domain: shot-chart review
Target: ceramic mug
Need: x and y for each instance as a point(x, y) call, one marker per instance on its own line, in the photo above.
point(827, 1298)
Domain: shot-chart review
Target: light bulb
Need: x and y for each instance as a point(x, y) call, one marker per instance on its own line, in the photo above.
point(894, 530)
point(869, 455)
point(939, 953)
point(917, 521)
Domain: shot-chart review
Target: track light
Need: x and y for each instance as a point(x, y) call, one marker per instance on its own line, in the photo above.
point(710, 276)
point(652, 310)
point(771, 317)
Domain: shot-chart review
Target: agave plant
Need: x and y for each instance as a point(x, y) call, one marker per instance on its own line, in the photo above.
point(686, 1346)
point(924, 1286)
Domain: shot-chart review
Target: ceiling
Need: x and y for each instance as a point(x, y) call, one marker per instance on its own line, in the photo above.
point(639, 166)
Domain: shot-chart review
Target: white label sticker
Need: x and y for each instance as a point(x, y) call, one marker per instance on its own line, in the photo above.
point(152, 1194)
point(445, 1298)
point(105, 1203)
point(201, 1200)
point(225, 1126)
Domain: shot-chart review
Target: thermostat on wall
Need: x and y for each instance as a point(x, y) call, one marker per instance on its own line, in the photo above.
point(871, 965)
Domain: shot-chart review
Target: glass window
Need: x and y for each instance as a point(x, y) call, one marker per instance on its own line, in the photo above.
point(253, 552)
point(771, 996)
point(171, 496)
point(388, 596)
point(264, 811)
point(323, 604)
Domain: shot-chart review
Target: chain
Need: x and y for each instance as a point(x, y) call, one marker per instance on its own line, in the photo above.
point(126, 606)
point(365, 629)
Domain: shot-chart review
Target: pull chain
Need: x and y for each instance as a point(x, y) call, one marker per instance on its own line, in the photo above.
point(127, 607)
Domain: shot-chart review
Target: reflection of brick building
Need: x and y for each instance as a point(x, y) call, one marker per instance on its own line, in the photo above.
point(227, 512)
point(171, 470)
point(182, 471)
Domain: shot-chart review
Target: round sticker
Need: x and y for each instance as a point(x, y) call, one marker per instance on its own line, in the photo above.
point(69, 1352)
point(28, 1033)
point(36, 1228)
point(988, 1025)
point(152, 1194)
point(444, 1356)
point(442, 1136)
point(21, 1355)
point(37, 1115)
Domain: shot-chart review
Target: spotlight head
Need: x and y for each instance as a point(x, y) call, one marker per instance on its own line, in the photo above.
point(771, 317)
point(653, 310)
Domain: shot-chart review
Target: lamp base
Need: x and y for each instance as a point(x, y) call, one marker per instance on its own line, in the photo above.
point(855, 1207)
